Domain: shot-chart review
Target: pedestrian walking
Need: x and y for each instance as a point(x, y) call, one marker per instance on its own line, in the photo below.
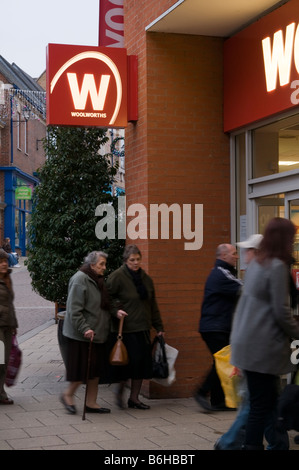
point(222, 290)
point(234, 438)
point(263, 327)
point(87, 320)
point(8, 321)
point(132, 295)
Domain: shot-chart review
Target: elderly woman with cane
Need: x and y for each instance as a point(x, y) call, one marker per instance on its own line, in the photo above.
point(86, 328)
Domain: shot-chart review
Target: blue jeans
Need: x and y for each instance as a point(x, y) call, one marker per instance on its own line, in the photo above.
point(12, 260)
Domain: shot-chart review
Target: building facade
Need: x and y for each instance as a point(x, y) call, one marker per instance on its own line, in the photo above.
point(191, 148)
point(22, 129)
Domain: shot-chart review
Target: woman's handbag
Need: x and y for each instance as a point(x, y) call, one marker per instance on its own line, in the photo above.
point(160, 364)
point(119, 353)
point(14, 363)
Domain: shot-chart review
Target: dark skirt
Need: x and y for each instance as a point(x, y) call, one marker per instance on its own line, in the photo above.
point(77, 360)
point(138, 345)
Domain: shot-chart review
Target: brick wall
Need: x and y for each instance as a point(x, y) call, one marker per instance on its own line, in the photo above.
point(177, 153)
point(35, 156)
point(27, 161)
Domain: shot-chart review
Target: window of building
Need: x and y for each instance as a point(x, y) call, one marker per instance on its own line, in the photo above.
point(19, 131)
point(26, 137)
point(276, 147)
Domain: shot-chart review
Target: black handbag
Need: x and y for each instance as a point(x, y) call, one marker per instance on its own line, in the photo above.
point(159, 359)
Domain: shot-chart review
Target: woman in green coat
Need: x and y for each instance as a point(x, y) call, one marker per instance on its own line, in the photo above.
point(132, 295)
point(87, 319)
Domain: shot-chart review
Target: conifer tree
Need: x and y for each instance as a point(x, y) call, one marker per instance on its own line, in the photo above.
point(74, 180)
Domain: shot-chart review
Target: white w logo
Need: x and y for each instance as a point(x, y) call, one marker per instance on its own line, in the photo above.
point(280, 58)
point(88, 86)
point(98, 97)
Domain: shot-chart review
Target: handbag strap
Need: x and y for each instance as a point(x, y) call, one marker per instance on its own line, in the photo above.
point(120, 326)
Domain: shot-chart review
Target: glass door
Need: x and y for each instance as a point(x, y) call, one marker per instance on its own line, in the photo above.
point(267, 208)
point(292, 213)
point(281, 205)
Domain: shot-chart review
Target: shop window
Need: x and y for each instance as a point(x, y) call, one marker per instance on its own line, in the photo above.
point(240, 177)
point(276, 147)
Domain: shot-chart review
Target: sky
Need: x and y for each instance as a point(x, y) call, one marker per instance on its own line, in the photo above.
point(27, 26)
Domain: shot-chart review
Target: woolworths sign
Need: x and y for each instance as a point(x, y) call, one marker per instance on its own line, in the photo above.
point(23, 192)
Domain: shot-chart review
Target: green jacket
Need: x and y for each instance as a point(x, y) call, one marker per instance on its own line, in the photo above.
point(142, 314)
point(83, 310)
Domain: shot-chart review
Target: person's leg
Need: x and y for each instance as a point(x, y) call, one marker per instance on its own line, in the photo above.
point(120, 394)
point(135, 390)
point(11, 260)
point(263, 400)
point(276, 436)
point(134, 401)
point(6, 339)
point(215, 342)
point(70, 391)
point(234, 438)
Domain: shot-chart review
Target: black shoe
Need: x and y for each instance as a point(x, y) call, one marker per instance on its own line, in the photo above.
point(222, 407)
point(203, 402)
point(97, 410)
point(138, 406)
point(70, 408)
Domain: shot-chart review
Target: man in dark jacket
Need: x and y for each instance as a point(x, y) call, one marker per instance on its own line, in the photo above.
point(221, 293)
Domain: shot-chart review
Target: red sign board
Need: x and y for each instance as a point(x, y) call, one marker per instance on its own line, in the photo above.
point(86, 86)
point(261, 68)
point(111, 25)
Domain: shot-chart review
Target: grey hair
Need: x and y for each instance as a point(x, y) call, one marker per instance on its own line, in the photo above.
point(221, 250)
point(131, 250)
point(92, 258)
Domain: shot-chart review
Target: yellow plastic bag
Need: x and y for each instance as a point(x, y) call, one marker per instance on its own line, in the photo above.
point(229, 380)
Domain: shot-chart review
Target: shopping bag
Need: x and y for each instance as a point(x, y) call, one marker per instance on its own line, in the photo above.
point(14, 363)
point(171, 355)
point(160, 364)
point(229, 380)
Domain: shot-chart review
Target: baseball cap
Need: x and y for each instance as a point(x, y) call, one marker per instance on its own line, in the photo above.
point(253, 241)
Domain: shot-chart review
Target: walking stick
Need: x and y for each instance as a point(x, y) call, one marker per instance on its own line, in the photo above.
point(87, 377)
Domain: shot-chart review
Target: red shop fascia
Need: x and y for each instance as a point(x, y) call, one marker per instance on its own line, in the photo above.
point(261, 68)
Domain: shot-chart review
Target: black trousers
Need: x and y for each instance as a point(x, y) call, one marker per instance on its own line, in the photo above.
point(263, 395)
point(214, 341)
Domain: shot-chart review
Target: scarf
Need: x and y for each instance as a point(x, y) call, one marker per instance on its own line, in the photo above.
point(99, 280)
point(140, 287)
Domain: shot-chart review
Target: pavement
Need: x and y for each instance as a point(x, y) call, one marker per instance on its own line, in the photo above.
point(38, 421)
